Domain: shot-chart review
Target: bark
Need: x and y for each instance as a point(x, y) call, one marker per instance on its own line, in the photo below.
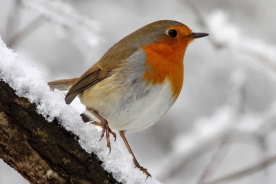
point(40, 151)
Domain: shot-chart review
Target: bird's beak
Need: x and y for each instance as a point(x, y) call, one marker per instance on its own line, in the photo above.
point(198, 35)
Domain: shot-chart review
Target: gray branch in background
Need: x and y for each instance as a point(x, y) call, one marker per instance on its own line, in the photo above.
point(25, 32)
point(13, 19)
point(245, 172)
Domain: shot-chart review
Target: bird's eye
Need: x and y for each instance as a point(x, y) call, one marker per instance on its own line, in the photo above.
point(172, 33)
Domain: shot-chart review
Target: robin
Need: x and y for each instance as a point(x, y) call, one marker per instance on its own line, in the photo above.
point(135, 82)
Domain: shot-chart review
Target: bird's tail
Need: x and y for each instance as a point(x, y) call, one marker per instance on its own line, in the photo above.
point(63, 84)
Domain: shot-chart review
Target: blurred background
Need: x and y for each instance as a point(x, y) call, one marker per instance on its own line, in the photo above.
point(222, 127)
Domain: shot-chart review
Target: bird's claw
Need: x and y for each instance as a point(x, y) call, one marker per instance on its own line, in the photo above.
point(106, 130)
point(144, 170)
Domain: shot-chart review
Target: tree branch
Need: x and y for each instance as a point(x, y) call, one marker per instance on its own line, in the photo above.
point(245, 172)
point(40, 151)
point(215, 160)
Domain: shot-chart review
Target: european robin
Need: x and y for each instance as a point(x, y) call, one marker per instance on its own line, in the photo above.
point(135, 82)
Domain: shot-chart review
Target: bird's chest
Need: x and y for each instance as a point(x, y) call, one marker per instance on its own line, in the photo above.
point(141, 106)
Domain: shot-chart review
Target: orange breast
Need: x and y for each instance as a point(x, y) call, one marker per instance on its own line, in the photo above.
point(165, 61)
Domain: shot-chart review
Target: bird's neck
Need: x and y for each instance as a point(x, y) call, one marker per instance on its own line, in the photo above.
point(163, 62)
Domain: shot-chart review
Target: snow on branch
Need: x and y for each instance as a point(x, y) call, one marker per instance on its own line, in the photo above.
point(67, 16)
point(28, 82)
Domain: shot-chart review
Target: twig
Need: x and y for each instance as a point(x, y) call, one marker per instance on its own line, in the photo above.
point(64, 14)
point(215, 160)
point(31, 27)
point(12, 19)
point(263, 147)
point(246, 171)
point(201, 21)
point(199, 16)
point(242, 99)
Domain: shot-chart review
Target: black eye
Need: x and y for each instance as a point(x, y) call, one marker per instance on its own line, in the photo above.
point(172, 33)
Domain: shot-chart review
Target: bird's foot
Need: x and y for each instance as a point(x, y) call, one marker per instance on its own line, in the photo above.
point(144, 170)
point(105, 130)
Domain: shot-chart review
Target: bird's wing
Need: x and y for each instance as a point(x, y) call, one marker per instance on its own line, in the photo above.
point(62, 84)
point(99, 71)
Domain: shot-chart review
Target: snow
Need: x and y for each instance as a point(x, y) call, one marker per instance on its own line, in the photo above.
point(65, 15)
point(28, 82)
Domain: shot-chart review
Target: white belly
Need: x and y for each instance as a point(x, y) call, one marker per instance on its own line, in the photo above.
point(139, 107)
point(141, 113)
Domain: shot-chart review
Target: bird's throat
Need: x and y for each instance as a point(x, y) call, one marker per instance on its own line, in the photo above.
point(163, 62)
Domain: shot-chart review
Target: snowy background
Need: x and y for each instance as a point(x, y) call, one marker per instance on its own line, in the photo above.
point(225, 118)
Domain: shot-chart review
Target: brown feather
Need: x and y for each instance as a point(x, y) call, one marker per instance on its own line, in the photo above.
point(62, 84)
point(100, 70)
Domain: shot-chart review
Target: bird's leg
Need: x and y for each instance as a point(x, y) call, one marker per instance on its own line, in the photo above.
point(122, 134)
point(105, 128)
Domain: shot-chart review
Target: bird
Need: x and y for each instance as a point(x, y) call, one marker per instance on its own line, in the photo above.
point(135, 82)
